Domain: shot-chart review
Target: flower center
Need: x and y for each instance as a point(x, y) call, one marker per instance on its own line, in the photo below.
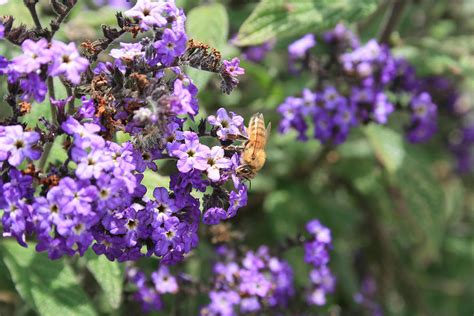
point(19, 144)
point(132, 224)
point(170, 234)
point(79, 228)
point(104, 193)
point(54, 208)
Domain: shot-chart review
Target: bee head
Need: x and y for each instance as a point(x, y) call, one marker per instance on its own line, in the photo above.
point(246, 172)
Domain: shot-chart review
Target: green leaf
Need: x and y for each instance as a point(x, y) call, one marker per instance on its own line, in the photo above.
point(388, 146)
point(424, 199)
point(109, 275)
point(50, 287)
point(210, 25)
point(279, 18)
point(152, 180)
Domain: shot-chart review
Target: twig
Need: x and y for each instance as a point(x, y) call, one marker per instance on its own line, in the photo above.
point(56, 23)
point(31, 5)
point(391, 19)
point(70, 104)
point(54, 119)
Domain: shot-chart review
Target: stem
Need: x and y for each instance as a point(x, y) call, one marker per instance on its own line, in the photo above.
point(31, 5)
point(44, 157)
point(54, 120)
point(391, 19)
point(56, 23)
point(52, 95)
point(70, 104)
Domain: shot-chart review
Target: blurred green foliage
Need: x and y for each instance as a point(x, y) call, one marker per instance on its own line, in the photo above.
point(396, 211)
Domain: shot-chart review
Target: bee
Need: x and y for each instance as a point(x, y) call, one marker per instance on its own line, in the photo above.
point(253, 153)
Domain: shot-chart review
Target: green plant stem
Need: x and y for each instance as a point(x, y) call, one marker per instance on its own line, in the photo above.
point(391, 19)
point(70, 104)
point(52, 95)
point(54, 119)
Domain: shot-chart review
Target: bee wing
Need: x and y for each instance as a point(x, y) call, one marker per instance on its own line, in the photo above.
point(269, 128)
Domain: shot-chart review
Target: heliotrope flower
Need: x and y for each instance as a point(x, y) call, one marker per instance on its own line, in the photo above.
point(34, 55)
point(67, 61)
point(298, 48)
point(16, 144)
point(215, 162)
point(233, 67)
point(191, 154)
point(171, 45)
point(149, 13)
point(228, 126)
point(164, 281)
point(128, 51)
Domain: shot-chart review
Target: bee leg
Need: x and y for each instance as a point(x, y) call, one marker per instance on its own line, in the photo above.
point(234, 148)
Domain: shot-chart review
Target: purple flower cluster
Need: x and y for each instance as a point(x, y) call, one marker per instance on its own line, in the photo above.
point(149, 291)
point(41, 59)
point(317, 255)
point(95, 197)
point(256, 283)
point(367, 75)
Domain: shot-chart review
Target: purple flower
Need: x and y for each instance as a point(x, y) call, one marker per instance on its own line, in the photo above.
point(382, 108)
point(323, 125)
point(292, 117)
point(222, 303)
point(422, 107)
point(214, 216)
point(170, 46)
point(2, 30)
point(215, 162)
point(163, 207)
point(84, 135)
point(299, 47)
point(237, 199)
point(128, 51)
point(233, 67)
point(149, 14)
point(34, 55)
point(33, 88)
point(93, 164)
point(258, 52)
point(249, 304)
point(77, 196)
point(182, 101)
point(164, 281)
point(4, 63)
point(191, 154)
point(67, 61)
point(228, 126)
point(16, 144)
point(320, 232)
point(14, 220)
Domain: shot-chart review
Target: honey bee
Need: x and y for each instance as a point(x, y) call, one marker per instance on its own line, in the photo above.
point(253, 152)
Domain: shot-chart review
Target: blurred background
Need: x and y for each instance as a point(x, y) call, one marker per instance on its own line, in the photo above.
point(401, 215)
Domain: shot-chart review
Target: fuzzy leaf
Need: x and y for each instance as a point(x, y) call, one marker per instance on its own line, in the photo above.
point(49, 287)
point(109, 275)
point(279, 18)
point(388, 146)
point(210, 25)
